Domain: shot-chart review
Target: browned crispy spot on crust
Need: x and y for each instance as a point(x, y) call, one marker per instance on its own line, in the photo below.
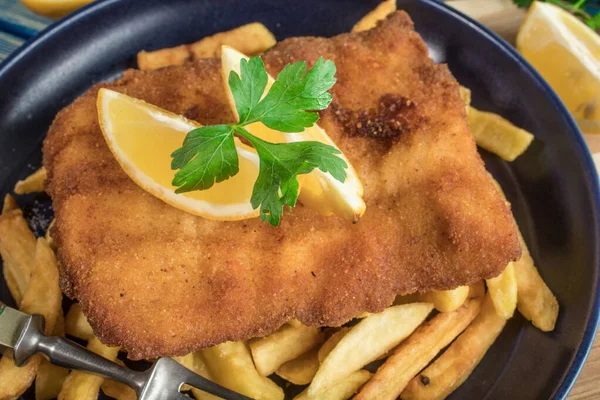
point(393, 116)
point(158, 281)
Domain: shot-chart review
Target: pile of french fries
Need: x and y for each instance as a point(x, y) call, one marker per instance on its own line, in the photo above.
point(428, 344)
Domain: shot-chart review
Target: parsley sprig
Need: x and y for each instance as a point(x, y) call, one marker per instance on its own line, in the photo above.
point(209, 156)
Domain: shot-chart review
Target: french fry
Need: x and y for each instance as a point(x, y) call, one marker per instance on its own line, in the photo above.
point(201, 368)
point(250, 39)
point(497, 135)
point(50, 377)
point(465, 94)
point(342, 390)
point(503, 291)
point(195, 362)
point(43, 296)
point(535, 301)
point(149, 60)
point(188, 362)
point(17, 247)
point(380, 12)
point(15, 380)
point(117, 390)
point(49, 380)
point(77, 325)
point(446, 300)
point(455, 365)
point(231, 365)
point(366, 341)
point(301, 370)
point(81, 385)
point(270, 352)
point(9, 204)
point(33, 183)
point(418, 350)
point(331, 343)
point(295, 323)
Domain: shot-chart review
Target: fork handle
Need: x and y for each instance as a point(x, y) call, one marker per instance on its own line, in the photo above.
point(65, 353)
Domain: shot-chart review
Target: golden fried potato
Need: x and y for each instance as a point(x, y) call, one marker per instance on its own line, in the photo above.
point(418, 350)
point(117, 390)
point(17, 247)
point(9, 204)
point(371, 338)
point(465, 93)
point(379, 13)
point(535, 301)
point(50, 377)
point(497, 135)
point(33, 183)
point(343, 389)
point(81, 385)
point(300, 370)
point(331, 343)
point(446, 300)
point(43, 296)
point(49, 380)
point(270, 352)
point(455, 365)
point(250, 39)
point(503, 291)
point(201, 368)
point(77, 325)
point(231, 365)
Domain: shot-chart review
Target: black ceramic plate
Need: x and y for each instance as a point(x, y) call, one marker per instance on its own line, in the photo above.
point(553, 187)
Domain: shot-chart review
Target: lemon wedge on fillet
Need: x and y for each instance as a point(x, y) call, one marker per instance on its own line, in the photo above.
point(566, 52)
point(142, 138)
point(318, 190)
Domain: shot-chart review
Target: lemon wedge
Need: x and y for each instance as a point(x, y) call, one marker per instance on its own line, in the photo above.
point(567, 54)
point(318, 190)
point(142, 138)
point(54, 8)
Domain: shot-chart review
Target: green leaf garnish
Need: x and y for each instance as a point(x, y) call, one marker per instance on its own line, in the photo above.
point(208, 154)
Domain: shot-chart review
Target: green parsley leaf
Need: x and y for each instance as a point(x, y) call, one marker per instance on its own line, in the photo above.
point(294, 94)
point(280, 164)
point(249, 88)
point(208, 155)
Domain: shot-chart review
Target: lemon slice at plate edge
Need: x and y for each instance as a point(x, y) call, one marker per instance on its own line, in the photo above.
point(54, 8)
point(566, 52)
point(318, 190)
point(142, 137)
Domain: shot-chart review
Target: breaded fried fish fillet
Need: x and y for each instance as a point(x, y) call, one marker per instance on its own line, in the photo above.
point(159, 281)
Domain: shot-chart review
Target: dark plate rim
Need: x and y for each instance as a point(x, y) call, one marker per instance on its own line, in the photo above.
point(591, 174)
point(592, 178)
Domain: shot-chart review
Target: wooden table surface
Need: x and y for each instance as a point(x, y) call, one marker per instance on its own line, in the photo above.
point(587, 386)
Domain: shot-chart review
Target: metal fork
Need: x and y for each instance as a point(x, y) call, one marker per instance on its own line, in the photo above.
point(163, 380)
